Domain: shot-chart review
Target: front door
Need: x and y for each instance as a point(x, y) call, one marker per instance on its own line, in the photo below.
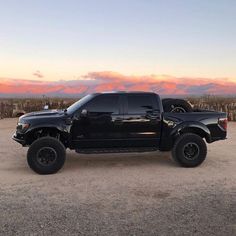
point(102, 126)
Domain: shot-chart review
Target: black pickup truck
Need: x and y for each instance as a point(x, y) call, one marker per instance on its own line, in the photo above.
point(117, 122)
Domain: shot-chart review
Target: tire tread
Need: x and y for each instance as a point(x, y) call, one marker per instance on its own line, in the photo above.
point(189, 136)
point(51, 141)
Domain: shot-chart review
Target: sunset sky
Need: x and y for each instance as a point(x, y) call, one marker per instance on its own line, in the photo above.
point(73, 46)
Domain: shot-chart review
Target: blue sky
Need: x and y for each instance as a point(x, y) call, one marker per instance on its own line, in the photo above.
point(66, 39)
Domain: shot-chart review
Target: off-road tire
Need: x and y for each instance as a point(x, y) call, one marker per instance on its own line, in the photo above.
point(178, 151)
point(46, 143)
point(172, 105)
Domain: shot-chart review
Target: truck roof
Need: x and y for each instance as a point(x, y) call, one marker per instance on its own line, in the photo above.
point(120, 92)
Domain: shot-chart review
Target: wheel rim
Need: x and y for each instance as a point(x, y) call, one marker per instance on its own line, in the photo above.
point(46, 156)
point(178, 110)
point(191, 151)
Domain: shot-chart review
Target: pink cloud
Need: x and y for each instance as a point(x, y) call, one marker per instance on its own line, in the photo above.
point(108, 80)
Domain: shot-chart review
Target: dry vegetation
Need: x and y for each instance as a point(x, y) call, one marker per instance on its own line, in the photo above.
point(15, 107)
point(217, 103)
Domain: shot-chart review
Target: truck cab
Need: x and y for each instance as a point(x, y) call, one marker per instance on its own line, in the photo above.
point(112, 120)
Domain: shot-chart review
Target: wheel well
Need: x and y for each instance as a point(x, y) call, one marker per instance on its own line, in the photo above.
point(194, 130)
point(44, 132)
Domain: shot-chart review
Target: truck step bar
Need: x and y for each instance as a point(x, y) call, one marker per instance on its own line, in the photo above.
point(116, 150)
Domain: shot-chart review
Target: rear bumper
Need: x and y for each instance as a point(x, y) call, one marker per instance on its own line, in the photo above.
point(217, 139)
point(19, 138)
point(221, 136)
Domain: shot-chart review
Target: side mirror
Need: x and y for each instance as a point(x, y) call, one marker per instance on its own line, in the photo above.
point(84, 113)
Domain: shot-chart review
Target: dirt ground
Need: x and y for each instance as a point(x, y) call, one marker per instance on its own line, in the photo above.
point(118, 194)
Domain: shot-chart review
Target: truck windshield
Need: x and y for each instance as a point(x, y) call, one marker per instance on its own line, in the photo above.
point(75, 106)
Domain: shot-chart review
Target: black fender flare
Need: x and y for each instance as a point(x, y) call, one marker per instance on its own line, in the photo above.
point(190, 126)
point(42, 126)
point(62, 129)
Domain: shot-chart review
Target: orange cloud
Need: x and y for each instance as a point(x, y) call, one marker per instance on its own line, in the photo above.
point(108, 80)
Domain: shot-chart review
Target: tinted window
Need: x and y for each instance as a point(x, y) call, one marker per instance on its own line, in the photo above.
point(139, 104)
point(104, 103)
point(74, 107)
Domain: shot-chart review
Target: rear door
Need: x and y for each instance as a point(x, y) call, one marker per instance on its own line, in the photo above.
point(142, 120)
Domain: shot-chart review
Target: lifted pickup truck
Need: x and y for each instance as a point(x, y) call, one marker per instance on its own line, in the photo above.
point(117, 122)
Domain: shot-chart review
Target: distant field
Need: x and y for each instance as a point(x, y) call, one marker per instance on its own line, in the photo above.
point(16, 107)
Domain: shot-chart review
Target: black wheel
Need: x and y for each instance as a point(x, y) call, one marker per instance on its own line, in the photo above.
point(176, 105)
point(189, 150)
point(46, 155)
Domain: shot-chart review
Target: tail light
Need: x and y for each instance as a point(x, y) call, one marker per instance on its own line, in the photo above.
point(223, 123)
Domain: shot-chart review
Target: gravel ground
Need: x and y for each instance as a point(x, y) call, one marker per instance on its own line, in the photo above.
point(118, 194)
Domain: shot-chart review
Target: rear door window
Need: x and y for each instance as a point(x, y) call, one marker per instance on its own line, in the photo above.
point(140, 103)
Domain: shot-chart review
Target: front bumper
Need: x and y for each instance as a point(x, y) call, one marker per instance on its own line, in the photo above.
point(19, 138)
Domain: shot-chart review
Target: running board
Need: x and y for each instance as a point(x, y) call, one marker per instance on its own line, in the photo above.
point(116, 150)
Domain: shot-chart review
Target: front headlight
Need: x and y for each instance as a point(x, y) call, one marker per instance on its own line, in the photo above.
point(22, 127)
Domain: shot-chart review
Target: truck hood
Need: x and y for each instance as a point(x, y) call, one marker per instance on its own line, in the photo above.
point(39, 114)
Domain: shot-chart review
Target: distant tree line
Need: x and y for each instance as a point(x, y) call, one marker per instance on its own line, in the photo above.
point(16, 107)
point(216, 103)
